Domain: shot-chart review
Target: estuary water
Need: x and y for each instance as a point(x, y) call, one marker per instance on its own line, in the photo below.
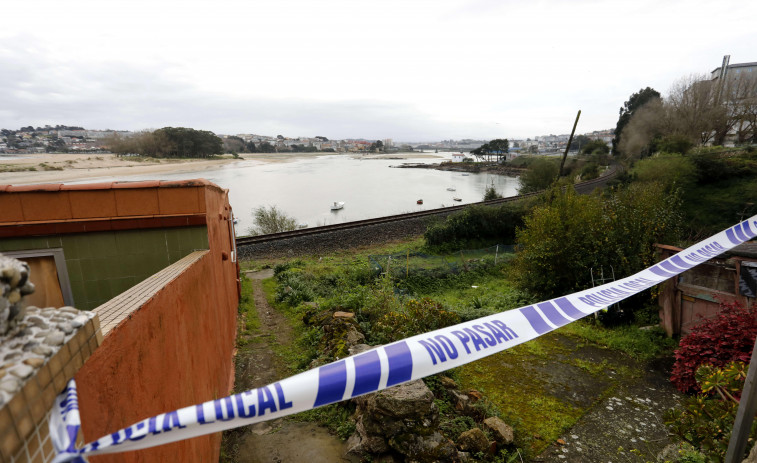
point(305, 188)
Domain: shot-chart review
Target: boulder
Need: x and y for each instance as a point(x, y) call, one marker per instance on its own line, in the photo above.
point(473, 440)
point(447, 382)
point(502, 432)
point(431, 448)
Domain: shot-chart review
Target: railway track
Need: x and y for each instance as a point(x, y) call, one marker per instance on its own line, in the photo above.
point(582, 187)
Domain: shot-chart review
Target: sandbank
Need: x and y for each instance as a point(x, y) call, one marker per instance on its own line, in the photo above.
point(26, 169)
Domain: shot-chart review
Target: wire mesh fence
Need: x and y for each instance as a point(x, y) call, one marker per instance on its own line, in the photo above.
point(402, 265)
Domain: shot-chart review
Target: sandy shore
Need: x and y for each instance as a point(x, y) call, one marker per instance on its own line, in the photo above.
point(25, 169)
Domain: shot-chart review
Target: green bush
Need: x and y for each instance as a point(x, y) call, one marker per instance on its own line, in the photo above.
point(415, 317)
point(562, 239)
point(667, 169)
point(476, 224)
point(540, 175)
point(293, 288)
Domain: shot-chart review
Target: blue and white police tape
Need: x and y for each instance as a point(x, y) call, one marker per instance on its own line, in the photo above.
point(412, 358)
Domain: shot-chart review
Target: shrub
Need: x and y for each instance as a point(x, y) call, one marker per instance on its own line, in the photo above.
point(293, 288)
point(271, 220)
point(541, 174)
point(562, 239)
point(668, 170)
point(416, 317)
point(727, 337)
point(476, 224)
point(705, 421)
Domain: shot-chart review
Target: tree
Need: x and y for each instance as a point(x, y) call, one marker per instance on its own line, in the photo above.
point(579, 142)
point(595, 147)
point(540, 175)
point(169, 142)
point(271, 220)
point(499, 147)
point(635, 102)
point(491, 193)
point(265, 147)
point(378, 145)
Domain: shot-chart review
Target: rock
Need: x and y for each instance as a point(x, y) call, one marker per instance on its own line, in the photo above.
point(425, 449)
point(461, 401)
point(447, 382)
point(42, 349)
point(79, 321)
point(10, 385)
point(359, 348)
point(344, 315)
point(29, 346)
point(473, 441)
point(561, 441)
point(361, 444)
point(353, 336)
point(2, 372)
point(54, 338)
point(22, 371)
point(37, 321)
point(34, 362)
point(66, 327)
point(12, 356)
point(474, 395)
point(69, 309)
point(502, 432)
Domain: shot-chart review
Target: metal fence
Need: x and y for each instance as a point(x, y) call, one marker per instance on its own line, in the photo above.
point(417, 263)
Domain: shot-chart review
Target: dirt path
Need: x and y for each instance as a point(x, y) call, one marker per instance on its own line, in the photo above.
point(279, 441)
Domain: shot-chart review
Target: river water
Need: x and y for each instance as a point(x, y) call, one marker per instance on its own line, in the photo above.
point(305, 188)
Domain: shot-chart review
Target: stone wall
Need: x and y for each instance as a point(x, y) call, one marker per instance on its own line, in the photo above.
point(41, 350)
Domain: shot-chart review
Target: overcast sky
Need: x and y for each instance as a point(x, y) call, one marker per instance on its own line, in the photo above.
point(403, 69)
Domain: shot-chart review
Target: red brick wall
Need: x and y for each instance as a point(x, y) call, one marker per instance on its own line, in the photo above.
point(175, 351)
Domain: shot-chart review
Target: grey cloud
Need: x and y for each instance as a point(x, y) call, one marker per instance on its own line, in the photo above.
point(118, 96)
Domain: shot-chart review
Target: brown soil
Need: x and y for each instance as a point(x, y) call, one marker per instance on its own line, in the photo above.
point(282, 440)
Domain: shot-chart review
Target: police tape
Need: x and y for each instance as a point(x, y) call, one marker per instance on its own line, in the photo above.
point(382, 367)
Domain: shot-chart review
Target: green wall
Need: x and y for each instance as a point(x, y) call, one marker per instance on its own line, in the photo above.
point(102, 265)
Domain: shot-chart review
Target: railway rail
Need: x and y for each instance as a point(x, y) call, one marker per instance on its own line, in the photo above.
point(242, 241)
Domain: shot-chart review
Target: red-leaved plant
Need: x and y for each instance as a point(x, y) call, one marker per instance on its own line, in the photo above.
point(716, 341)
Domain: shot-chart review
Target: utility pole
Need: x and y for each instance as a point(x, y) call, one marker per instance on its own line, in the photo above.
point(570, 140)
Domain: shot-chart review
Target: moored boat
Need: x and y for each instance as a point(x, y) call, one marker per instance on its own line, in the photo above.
point(420, 201)
point(337, 205)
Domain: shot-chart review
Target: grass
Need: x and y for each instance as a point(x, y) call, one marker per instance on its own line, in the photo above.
point(248, 321)
point(517, 383)
point(642, 345)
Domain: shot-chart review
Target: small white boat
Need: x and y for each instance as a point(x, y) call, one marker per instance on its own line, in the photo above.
point(300, 226)
point(465, 175)
point(457, 199)
point(451, 188)
point(337, 205)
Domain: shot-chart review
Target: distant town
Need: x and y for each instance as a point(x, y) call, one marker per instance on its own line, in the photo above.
point(61, 138)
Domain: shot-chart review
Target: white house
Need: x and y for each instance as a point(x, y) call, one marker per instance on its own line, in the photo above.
point(457, 157)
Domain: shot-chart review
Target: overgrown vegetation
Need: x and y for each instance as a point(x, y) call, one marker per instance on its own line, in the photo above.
point(477, 226)
point(270, 219)
point(569, 234)
point(727, 337)
point(393, 305)
point(706, 420)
